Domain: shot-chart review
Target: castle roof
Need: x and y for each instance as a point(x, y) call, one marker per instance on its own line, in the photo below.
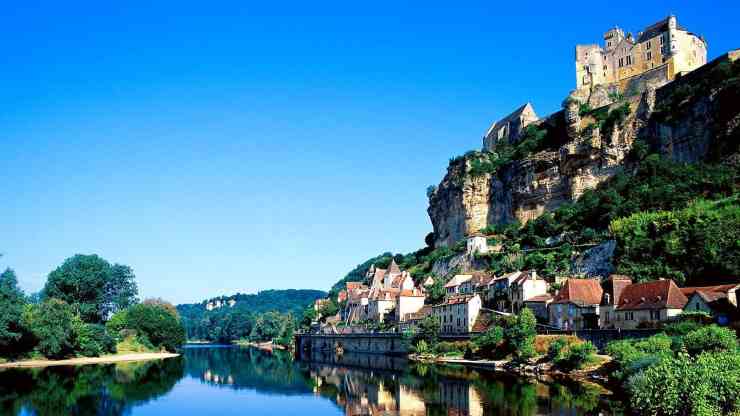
point(656, 28)
point(658, 294)
point(511, 117)
point(393, 267)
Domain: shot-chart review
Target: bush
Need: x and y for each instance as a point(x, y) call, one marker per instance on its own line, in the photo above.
point(708, 385)
point(556, 348)
point(93, 340)
point(487, 342)
point(576, 356)
point(710, 339)
point(117, 323)
point(158, 325)
point(422, 347)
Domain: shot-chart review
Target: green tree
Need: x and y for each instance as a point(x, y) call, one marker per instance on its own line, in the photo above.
point(157, 324)
point(11, 310)
point(522, 333)
point(52, 323)
point(121, 291)
point(428, 330)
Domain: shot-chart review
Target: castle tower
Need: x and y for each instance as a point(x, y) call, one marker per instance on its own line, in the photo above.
point(672, 41)
point(612, 37)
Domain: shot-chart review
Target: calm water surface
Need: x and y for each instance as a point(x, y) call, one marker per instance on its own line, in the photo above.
point(212, 380)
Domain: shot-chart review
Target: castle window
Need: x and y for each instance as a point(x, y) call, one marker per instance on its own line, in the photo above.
point(647, 45)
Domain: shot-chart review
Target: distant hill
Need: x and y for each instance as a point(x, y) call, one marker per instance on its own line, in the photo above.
point(226, 318)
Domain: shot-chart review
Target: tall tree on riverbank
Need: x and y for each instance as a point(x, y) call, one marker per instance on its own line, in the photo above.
point(11, 309)
point(93, 287)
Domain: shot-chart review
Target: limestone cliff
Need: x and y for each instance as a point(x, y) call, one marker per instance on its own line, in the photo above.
point(693, 118)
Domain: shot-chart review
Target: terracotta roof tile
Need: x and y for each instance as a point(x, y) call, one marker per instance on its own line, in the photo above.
point(454, 300)
point(658, 294)
point(688, 291)
point(540, 298)
point(580, 291)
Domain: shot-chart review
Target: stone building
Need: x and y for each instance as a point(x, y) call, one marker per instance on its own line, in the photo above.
point(527, 285)
point(409, 302)
point(646, 304)
point(613, 288)
point(664, 45)
point(458, 313)
point(576, 306)
point(510, 128)
point(539, 306)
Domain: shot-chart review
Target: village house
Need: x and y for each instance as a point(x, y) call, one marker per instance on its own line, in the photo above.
point(409, 302)
point(719, 301)
point(412, 320)
point(664, 46)
point(646, 304)
point(576, 306)
point(526, 285)
point(498, 291)
point(381, 304)
point(453, 287)
point(613, 288)
point(476, 284)
point(458, 313)
point(539, 306)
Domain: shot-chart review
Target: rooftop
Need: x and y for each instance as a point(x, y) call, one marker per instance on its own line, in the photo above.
point(659, 294)
point(580, 292)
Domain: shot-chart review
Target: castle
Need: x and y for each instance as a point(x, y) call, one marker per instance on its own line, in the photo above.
point(661, 52)
point(665, 45)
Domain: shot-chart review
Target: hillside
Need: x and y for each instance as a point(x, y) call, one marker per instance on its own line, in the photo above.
point(227, 318)
point(644, 183)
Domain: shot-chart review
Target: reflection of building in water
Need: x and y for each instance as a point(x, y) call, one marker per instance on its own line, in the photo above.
point(460, 397)
point(410, 402)
point(211, 377)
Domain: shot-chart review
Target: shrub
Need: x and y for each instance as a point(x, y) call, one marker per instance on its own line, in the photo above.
point(487, 342)
point(710, 338)
point(117, 323)
point(422, 347)
point(93, 340)
point(576, 355)
point(707, 385)
point(556, 348)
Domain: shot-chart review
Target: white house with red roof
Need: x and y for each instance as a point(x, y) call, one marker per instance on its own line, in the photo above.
point(576, 306)
point(645, 304)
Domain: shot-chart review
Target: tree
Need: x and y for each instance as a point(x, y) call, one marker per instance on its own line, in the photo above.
point(157, 324)
point(522, 333)
point(309, 316)
point(81, 282)
point(170, 308)
point(52, 323)
point(11, 309)
point(428, 330)
point(93, 287)
point(121, 291)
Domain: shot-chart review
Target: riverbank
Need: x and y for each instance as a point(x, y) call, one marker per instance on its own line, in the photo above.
point(594, 373)
point(106, 359)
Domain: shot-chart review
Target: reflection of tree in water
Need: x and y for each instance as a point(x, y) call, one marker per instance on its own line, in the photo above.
point(85, 390)
point(247, 368)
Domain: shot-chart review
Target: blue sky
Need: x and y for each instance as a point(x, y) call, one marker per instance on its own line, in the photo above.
point(223, 147)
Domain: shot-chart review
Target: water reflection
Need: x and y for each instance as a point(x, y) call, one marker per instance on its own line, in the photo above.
point(232, 380)
point(380, 388)
point(87, 390)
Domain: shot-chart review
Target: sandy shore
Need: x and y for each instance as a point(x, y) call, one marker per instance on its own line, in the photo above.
point(107, 359)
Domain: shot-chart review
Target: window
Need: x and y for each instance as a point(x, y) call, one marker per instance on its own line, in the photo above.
point(649, 55)
point(647, 45)
point(621, 62)
point(609, 44)
point(662, 39)
point(629, 60)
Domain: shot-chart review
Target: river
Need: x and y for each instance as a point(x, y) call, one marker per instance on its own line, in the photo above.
point(227, 380)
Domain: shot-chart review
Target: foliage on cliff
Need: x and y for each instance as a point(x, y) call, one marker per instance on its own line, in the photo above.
point(657, 185)
point(695, 242)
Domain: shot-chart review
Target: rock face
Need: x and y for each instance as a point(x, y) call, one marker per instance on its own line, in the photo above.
point(592, 151)
point(595, 262)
